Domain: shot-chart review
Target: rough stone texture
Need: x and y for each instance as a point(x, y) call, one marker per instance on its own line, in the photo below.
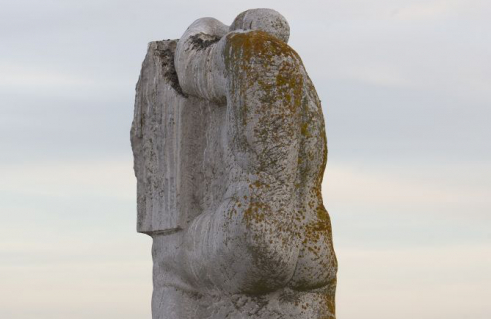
point(230, 149)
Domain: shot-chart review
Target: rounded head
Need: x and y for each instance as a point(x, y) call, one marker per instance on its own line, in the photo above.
point(267, 20)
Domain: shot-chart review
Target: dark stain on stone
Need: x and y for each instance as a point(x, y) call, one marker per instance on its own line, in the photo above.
point(166, 55)
point(201, 41)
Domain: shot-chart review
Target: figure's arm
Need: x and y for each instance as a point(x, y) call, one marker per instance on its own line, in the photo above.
point(251, 243)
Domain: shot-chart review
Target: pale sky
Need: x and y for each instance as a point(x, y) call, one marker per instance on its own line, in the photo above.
point(405, 87)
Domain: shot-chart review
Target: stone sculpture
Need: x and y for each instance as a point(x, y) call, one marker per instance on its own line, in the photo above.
point(229, 151)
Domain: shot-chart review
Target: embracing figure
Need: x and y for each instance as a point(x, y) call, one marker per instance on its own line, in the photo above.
point(230, 149)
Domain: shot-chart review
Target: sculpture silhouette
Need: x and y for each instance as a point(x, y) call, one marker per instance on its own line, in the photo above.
point(230, 149)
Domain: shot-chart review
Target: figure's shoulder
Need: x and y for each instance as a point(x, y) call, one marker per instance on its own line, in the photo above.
point(256, 44)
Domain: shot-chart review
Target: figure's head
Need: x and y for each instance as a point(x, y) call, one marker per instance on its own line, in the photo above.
point(267, 20)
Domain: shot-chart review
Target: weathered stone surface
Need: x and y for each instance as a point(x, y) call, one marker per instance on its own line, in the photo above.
point(176, 142)
point(230, 149)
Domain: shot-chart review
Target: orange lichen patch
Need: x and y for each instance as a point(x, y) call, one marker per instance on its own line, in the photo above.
point(257, 43)
point(266, 85)
point(258, 184)
point(277, 113)
point(258, 58)
point(304, 129)
point(317, 233)
point(256, 212)
point(328, 299)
